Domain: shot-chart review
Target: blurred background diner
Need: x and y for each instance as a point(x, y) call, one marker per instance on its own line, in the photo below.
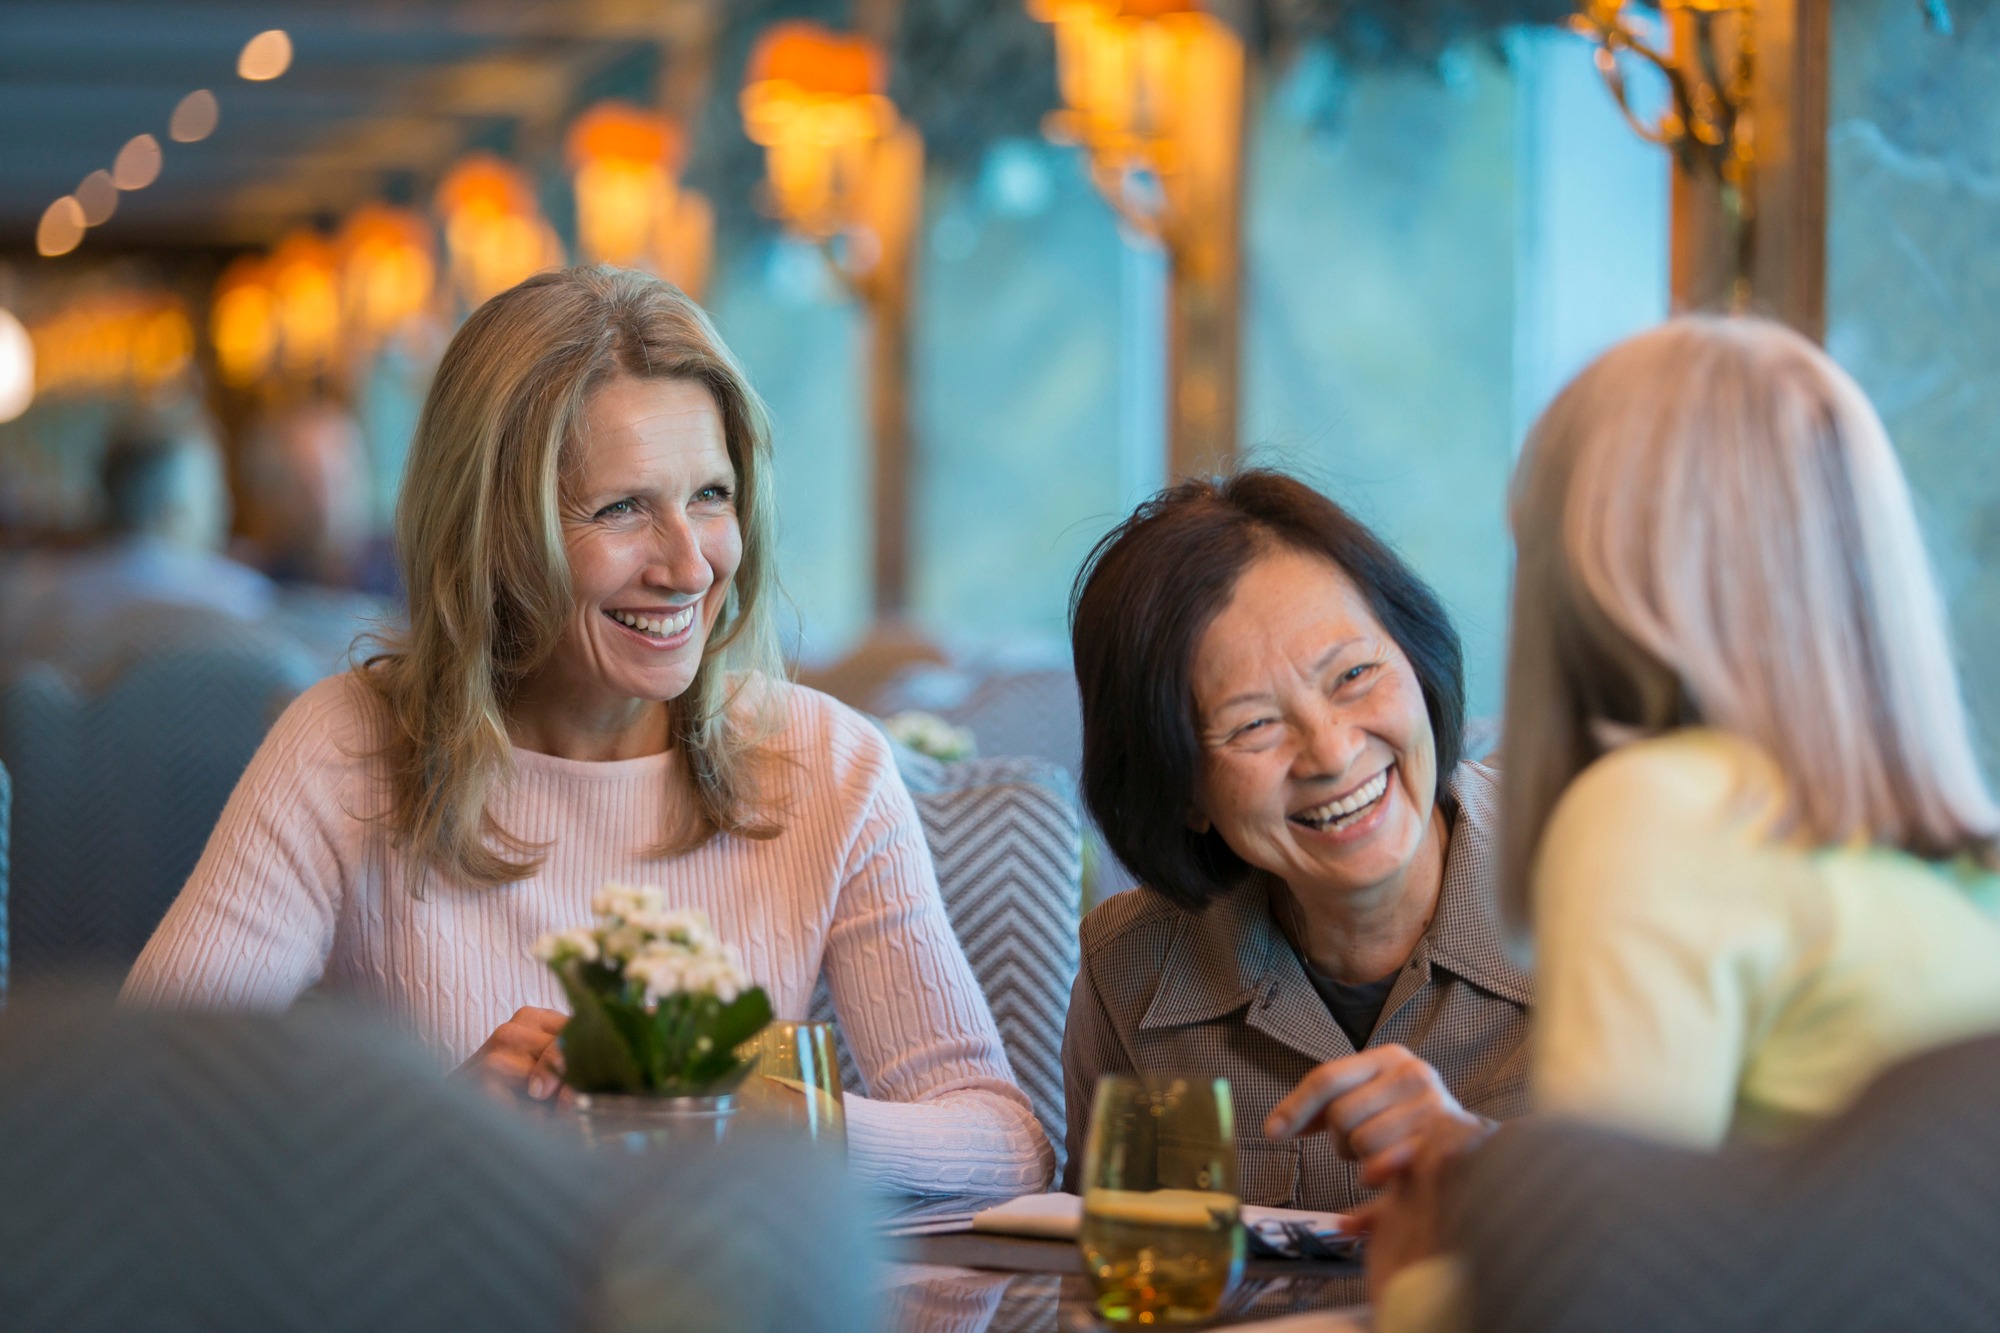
point(1000, 269)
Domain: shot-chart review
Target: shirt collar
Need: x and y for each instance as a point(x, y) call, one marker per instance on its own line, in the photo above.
point(1231, 952)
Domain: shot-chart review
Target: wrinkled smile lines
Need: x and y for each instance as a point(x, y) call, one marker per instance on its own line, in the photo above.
point(1346, 809)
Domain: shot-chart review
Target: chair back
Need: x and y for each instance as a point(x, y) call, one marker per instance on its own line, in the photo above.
point(1006, 837)
point(1886, 1217)
point(208, 1171)
point(117, 792)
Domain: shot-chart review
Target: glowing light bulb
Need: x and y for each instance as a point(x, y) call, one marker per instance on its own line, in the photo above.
point(265, 56)
point(17, 367)
point(61, 229)
point(194, 118)
point(98, 198)
point(138, 163)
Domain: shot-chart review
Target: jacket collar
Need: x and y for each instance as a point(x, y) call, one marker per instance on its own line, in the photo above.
point(1232, 955)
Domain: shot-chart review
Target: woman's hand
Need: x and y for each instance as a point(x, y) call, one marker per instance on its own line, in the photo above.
point(1378, 1105)
point(522, 1056)
point(1410, 1222)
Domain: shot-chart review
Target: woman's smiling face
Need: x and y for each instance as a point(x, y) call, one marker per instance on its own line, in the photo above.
point(649, 523)
point(1317, 759)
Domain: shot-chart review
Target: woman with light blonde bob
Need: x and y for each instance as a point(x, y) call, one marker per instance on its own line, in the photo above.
point(1742, 812)
point(586, 692)
point(1742, 821)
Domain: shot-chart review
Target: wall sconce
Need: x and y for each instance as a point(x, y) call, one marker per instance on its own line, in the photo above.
point(243, 322)
point(388, 273)
point(111, 342)
point(305, 293)
point(630, 208)
point(1708, 123)
point(842, 169)
point(494, 233)
point(1153, 93)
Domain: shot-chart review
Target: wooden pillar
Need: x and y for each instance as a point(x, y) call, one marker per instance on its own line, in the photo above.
point(888, 308)
point(1205, 251)
point(894, 208)
point(894, 213)
point(1784, 254)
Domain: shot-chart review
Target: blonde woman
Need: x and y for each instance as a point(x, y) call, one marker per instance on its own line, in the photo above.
point(586, 692)
point(1742, 819)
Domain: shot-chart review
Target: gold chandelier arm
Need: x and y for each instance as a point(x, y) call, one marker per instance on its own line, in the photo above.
point(1109, 178)
point(1614, 79)
point(856, 285)
point(1692, 114)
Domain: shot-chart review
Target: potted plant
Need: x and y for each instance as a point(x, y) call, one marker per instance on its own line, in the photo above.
point(658, 1006)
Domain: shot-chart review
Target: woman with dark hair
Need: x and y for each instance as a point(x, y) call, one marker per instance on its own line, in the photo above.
point(1273, 706)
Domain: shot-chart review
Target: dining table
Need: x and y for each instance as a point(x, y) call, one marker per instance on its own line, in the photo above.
point(963, 1281)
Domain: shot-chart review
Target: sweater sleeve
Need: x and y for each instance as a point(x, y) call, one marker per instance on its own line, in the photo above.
point(1659, 928)
point(944, 1114)
point(254, 925)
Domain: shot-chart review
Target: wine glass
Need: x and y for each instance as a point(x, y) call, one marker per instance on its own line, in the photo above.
point(796, 1079)
point(1161, 1237)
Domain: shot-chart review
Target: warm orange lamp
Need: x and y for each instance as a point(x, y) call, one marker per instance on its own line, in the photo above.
point(388, 272)
point(630, 207)
point(305, 295)
point(243, 322)
point(1153, 93)
point(494, 232)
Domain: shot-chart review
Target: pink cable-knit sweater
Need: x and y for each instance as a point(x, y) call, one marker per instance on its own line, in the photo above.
point(299, 890)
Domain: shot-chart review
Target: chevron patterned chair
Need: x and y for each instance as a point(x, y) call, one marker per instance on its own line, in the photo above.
point(311, 1170)
point(116, 792)
point(1006, 837)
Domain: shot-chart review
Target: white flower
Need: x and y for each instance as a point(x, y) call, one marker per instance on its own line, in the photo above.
point(623, 942)
point(926, 733)
point(560, 946)
point(625, 901)
point(664, 952)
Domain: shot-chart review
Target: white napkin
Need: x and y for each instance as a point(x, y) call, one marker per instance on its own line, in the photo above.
point(1060, 1216)
point(1049, 1216)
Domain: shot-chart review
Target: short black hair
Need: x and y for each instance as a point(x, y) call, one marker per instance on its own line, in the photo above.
point(1142, 600)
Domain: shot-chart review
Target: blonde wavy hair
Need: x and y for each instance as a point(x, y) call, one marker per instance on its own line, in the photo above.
point(483, 560)
point(1712, 528)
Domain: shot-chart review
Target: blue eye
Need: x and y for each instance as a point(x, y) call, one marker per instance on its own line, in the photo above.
point(616, 509)
point(715, 494)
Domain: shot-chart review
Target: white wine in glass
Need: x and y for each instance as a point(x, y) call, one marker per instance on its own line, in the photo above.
point(1161, 1238)
point(796, 1080)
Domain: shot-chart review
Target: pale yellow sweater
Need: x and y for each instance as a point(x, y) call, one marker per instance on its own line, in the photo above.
point(1700, 977)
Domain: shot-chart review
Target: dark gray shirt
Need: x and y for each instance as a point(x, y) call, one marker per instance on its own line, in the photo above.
point(1357, 1008)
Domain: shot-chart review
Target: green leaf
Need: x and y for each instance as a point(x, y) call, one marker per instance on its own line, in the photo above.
point(741, 1019)
point(596, 1054)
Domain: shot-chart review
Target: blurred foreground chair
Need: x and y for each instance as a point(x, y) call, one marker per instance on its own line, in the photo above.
point(1886, 1218)
point(1006, 840)
point(313, 1172)
point(116, 793)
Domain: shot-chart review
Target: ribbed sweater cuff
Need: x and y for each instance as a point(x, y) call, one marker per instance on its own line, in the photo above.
point(965, 1142)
